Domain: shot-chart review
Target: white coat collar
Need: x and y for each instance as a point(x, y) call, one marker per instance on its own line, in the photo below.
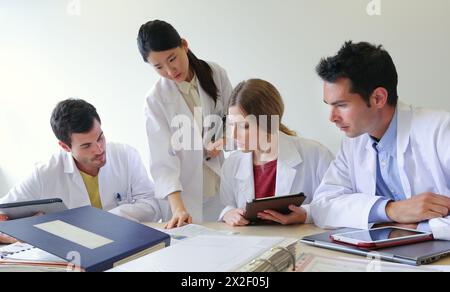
point(70, 166)
point(404, 120)
point(288, 158)
point(405, 115)
point(288, 152)
point(69, 163)
point(403, 126)
point(173, 96)
point(77, 196)
point(404, 123)
point(169, 91)
point(245, 169)
point(288, 155)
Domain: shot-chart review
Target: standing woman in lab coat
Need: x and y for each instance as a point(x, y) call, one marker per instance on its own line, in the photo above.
point(191, 90)
point(272, 161)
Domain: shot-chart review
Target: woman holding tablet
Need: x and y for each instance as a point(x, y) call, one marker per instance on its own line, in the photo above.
point(272, 161)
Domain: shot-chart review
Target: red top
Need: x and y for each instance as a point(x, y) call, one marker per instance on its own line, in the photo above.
point(265, 177)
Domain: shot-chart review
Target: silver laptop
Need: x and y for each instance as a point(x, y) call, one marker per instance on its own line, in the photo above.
point(414, 254)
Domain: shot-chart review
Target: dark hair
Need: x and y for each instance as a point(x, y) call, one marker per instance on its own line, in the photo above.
point(158, 35)
point(72, 116)
point(260, 98)
point(366, 66)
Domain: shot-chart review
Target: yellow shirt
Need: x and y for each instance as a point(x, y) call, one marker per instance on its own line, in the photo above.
point(93, 189)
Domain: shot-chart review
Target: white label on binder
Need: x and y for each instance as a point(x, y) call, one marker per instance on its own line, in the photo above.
point(74, 234)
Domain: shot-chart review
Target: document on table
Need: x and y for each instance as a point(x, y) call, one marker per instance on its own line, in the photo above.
point(192, 230)
point(204, 253)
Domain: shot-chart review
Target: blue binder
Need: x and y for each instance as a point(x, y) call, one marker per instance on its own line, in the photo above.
point(127, 237)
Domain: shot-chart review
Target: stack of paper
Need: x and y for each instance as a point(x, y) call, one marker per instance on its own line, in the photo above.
point(216, 254)
point(24, 257)
point(192, 230)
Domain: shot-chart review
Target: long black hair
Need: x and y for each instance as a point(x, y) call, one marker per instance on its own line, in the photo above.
point(158, 35)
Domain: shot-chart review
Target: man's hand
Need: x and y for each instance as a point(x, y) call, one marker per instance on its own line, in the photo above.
point(5, 239)
point(419, 208)
point(297, 216)
point(235, 217)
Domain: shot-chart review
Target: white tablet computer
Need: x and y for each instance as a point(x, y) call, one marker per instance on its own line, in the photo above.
point(30, 208)
point(382, 237)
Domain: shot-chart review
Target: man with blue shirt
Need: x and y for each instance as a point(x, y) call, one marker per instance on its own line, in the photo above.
point(394, 165)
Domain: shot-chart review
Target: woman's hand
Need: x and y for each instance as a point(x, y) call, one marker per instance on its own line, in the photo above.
point(215, 148)
point(180, 215)
point(235, 217)
point(297, 216)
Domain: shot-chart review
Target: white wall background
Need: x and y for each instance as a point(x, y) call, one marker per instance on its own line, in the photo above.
point(47, 54)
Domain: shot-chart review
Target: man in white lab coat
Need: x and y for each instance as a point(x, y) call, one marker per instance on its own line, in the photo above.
point(88, 171)
point(394, 165)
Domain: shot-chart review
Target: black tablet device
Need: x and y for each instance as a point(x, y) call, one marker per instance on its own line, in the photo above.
point(30, 208)
point(279, 204)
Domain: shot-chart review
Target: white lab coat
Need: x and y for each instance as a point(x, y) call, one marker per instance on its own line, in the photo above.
point(300, 167)
point(182, 170)
point(347, 193)
point(123, 173)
